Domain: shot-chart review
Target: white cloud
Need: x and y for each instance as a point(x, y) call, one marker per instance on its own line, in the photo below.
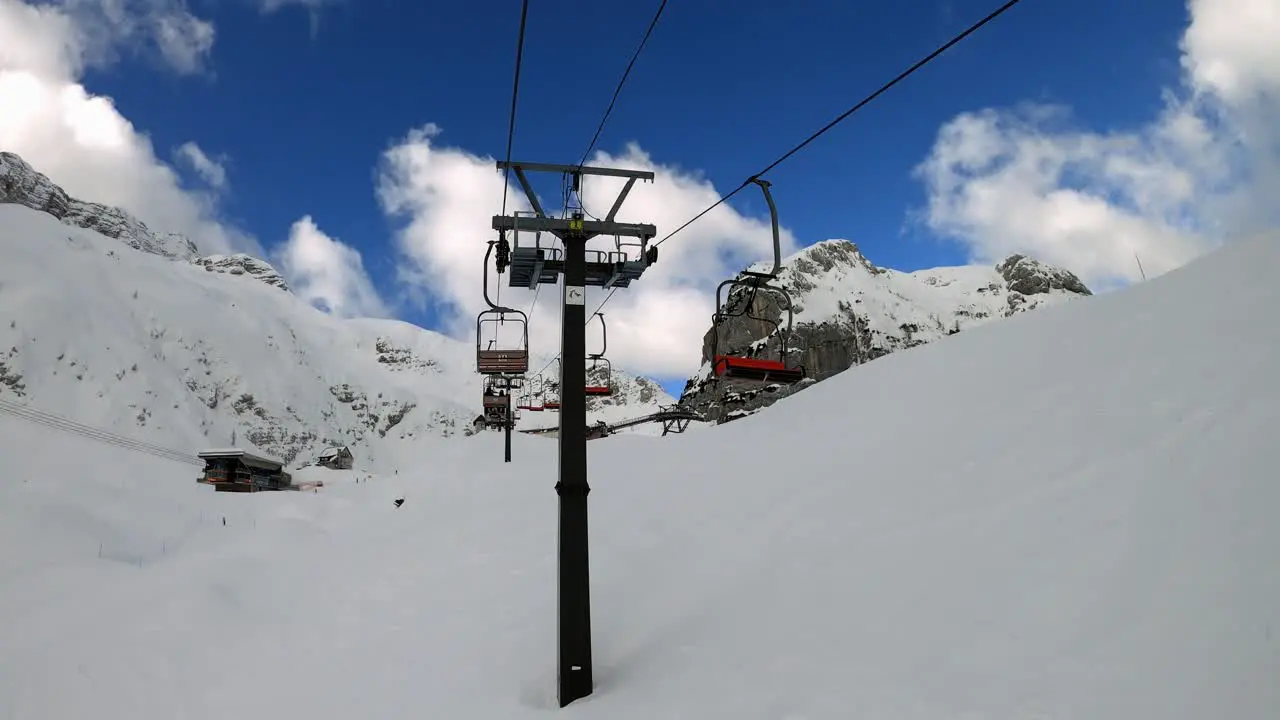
point(41, 40)
point(274, 5)
point(80, 140)
point(212, 171)
point(313, 8)
point(1206, 170)
point(103, 27)
point(328, 273)
point(448, 197)
point(184, 40)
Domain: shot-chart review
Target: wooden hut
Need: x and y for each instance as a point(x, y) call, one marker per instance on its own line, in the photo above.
point(336, 458)
point(236, 470)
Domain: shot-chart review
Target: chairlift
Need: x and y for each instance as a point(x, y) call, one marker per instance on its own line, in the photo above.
point(598, 359)
point(531, 394)
point(526, 402)
point(551, 402)
point(744, 367)
point(500, 361)
point(497, 405)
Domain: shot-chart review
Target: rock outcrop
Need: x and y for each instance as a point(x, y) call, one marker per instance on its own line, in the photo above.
point(847, 311)
point(24, 185)
point(242, 264)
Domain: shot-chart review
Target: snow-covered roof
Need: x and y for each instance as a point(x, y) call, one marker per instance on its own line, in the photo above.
point(238, 453)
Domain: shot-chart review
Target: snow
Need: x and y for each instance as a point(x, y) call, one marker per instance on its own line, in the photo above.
point(847, 311)
point(22, 184)
point(181, 357)
point(1069, 514)
point(936, 301)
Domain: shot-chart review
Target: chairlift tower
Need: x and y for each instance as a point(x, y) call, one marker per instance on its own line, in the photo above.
point(531, 264)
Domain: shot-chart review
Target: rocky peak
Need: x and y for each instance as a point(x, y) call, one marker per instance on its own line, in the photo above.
point(1031, 277)
point(23, 185)
point(242, 264)
point(848, 311)
point(822, 258)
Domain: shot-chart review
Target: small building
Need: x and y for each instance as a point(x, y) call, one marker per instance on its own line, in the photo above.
point(336, 458)
point(236, 470)
point(597, 431)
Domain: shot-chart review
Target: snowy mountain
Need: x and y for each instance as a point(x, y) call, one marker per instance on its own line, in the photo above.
point(1066, 514)
point(103, 321)
point(847, 311)
point(23, 185)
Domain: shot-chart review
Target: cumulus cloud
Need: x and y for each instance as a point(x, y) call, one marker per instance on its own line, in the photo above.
point(100, 29)
point(1205, 170)
point(213, 171)
point(447, 197)
point(328, 273)
point(81, 140)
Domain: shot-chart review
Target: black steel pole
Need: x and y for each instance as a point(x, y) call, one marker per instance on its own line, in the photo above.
point(511, 421)
point(574, 621)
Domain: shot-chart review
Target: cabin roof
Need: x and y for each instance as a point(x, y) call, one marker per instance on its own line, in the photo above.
point(244, 456)
point(334, 452)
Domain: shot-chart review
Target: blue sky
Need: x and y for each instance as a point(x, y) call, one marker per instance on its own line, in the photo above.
point(300, 106)
point(304, 117)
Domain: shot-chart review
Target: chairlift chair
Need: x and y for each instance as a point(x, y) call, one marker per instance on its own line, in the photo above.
point(527, 402)
point(495, 396)
point(551, 392)
point(597, 359)
point(551, 398)
point(743, 367)
point(532, 394)
point(500, 361)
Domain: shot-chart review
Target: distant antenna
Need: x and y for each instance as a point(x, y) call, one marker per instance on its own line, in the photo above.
point(1140, 270)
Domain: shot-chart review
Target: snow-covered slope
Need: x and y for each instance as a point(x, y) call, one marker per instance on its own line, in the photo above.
point(22, 184)
point(1069, 514)
point(181, 357)
point(848, 311)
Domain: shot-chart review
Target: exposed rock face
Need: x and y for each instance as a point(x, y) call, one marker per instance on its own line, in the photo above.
point(242, 264)
point(629, 391)
point(23, 185)
point(847, 311)
point(402, 359)
point(1030, 277)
